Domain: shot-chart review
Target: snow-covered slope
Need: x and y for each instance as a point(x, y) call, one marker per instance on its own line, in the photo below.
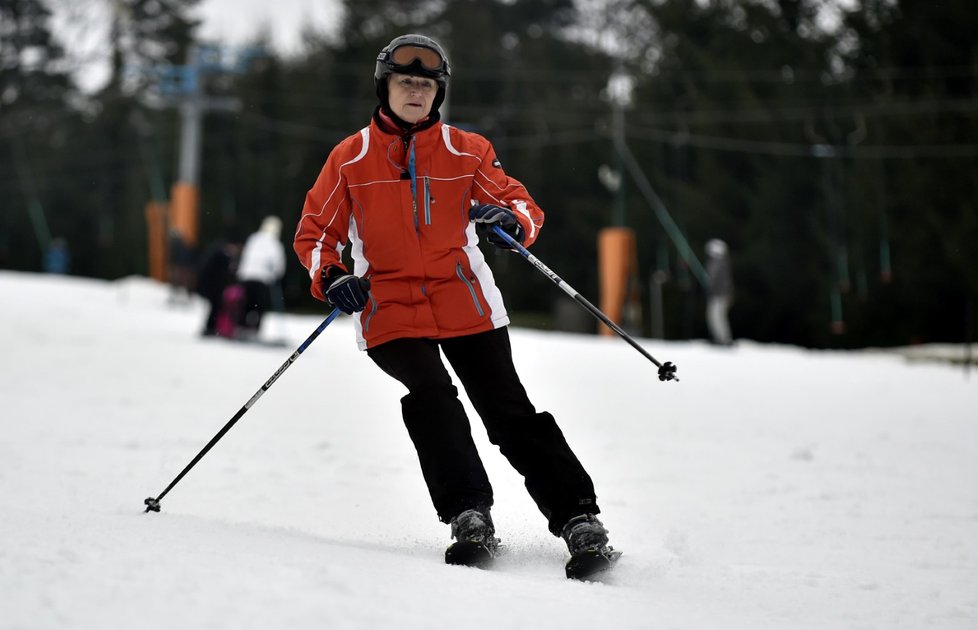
point(771, 488)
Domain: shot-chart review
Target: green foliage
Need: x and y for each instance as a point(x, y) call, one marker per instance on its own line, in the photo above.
point(837, 162)
point(34, 119)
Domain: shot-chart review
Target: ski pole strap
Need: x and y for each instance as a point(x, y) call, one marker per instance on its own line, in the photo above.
point(667, 371)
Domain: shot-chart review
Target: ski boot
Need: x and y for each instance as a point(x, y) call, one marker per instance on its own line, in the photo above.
point(587, 541)
point(475, 541)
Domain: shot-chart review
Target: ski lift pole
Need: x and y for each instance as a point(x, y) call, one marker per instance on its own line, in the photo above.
point(153, 504)
point(667, 371)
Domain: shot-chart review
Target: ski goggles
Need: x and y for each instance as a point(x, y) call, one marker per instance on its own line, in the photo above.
point(408, 55)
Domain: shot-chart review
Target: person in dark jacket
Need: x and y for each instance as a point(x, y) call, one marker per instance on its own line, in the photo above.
point(215, 271)
point(407, 194)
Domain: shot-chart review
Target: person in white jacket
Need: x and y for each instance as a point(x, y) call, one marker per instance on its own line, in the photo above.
point(262, 264)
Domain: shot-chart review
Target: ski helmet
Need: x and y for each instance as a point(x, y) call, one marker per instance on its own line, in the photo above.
point(413, 54)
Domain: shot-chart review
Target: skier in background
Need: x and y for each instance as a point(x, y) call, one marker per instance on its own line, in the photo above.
point(719, 292)
point(262, 264)
point(215, 271)
point(407, 193)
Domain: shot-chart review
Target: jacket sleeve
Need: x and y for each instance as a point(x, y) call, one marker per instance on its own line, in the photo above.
point(322, 232)
point(493, 185)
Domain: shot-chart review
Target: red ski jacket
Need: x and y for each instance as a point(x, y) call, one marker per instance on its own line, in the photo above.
point(402, 204)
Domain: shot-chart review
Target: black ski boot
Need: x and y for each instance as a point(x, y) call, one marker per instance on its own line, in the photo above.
point(587, 541)
point(475, 541)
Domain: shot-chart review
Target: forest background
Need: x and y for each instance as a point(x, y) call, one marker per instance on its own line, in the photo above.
point(837, 158)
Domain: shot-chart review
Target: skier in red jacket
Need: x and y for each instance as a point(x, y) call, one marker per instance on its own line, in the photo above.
point(406, 194)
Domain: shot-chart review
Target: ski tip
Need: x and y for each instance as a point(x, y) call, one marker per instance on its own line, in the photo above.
point(591, 564)
point(469, 554)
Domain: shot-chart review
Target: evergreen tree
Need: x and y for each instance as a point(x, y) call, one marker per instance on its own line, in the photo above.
point(146, 37)
point(34, 95)
point(726, 94)
point(837, 163)
point(913, 67)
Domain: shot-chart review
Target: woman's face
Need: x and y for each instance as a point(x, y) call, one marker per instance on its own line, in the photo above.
point(410, 97)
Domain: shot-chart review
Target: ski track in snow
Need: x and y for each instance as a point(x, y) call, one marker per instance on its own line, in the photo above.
point(773, 487)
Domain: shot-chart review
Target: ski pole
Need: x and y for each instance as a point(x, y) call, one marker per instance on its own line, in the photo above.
point(667, 371)
point(153, 505)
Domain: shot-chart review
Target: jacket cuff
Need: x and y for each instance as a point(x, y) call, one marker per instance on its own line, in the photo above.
point(331, 273)
point(523, 233)
point(326, 277)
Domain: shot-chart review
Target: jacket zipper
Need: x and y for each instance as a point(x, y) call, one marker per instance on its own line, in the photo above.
point(475, 298)
point(413, 173)
point(427, 201)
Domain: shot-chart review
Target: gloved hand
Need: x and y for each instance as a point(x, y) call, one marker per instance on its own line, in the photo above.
point(346, 292)
point(487, 215)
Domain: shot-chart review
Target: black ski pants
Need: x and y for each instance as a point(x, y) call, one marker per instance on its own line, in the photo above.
point(439, 428)
point(257, 302)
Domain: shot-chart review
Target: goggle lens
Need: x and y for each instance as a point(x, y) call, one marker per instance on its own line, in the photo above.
point(406, 55)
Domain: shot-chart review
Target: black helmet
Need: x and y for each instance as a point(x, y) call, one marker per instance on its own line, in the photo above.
point(413, 54)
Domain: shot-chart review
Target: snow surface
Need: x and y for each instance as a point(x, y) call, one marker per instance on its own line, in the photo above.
point(772, 487)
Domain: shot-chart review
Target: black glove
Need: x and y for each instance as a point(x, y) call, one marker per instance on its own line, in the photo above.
point(487, 215)
point(346, 292)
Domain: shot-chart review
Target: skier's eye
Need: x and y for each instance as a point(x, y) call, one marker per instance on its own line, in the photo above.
point(424, 86)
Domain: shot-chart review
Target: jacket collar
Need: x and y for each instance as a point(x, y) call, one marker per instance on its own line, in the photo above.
point(390, 123)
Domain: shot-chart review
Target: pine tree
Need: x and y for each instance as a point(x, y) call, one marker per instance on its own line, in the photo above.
point(913, 66)
point(34, 91)
point(146, 37)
